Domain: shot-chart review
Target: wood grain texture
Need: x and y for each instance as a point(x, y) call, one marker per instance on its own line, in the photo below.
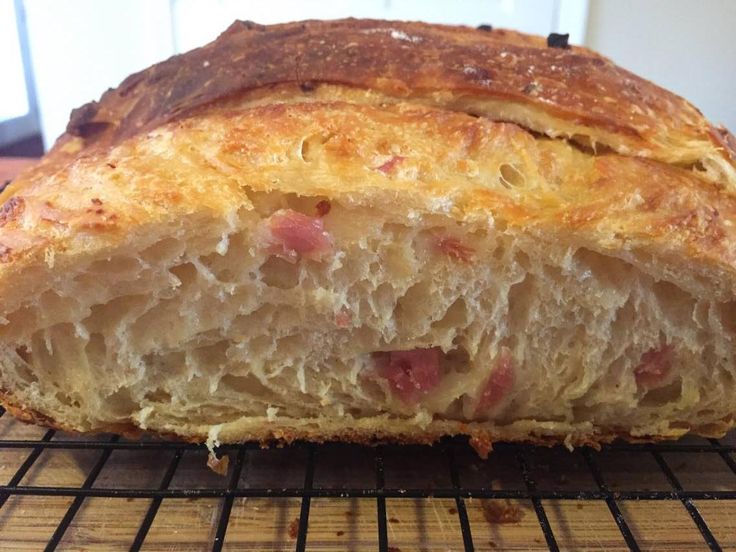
point(350, 524)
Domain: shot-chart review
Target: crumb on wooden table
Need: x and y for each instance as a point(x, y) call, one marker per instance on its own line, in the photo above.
point(394, 520)
point(218, 465)
point(482, 445)
point(294, 528)
point(501, 511)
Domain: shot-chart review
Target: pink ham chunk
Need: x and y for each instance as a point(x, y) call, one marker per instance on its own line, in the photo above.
point(411, 374)
point(295, 235)
point(454, 249)
point(499, 383)
point(654, 367)
point(343, 319)
point(391, 164)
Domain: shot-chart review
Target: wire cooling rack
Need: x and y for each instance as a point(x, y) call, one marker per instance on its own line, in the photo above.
point(480, 500)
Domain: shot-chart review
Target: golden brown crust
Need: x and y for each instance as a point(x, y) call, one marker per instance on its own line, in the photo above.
point(29, 415)
point(397, 58)
point(480, 439)
point(450, 67)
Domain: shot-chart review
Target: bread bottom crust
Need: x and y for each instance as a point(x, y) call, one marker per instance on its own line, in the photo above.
point(381, 429)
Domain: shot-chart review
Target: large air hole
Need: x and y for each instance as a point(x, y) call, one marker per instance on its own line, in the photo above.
point(397, 259)
point(55, 308)
point(163, 251)
point(384, 299)
point(280, 273)
point(96, 351)
point(24, 354)
point(455, 410)
point(499, 252)
point(186, 274)
point(211, 358)
point(417, 308)
point(261, 346)
point(65, 399)
point(523, 298)
point(106, 317)
point(605, 269)
point(24, 369)
point(663, 395)
point(623, 321)
point(120, 267)
point(311, 147)
point(511, 177)
point(215, 263)
point(267, 203)
point(248, 385)
point(728, 317)
point(158, 395)
point(171, 364)
point(675, 304)
point(26, 374)
point(586, 144)
point(162, 325)
point(456, 316)
point(292, 347)
point(245, 326)
point(19, 323)
point(456, 360)
point(523, 260)
point(120, 404)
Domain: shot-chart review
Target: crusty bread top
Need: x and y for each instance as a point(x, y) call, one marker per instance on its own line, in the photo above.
point(648, 176)
point(570, 92)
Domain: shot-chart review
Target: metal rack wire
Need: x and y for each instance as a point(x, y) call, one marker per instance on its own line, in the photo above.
point(525, 457)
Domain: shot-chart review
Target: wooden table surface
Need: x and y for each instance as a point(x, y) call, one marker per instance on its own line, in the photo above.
point(349, 524)
point(27, 522)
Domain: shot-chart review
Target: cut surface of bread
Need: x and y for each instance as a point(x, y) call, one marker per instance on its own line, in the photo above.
point(401, 232)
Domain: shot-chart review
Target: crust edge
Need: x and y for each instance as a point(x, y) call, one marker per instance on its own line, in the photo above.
point(479, 438)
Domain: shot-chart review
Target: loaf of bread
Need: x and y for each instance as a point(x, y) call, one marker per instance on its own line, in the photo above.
point(367, 230)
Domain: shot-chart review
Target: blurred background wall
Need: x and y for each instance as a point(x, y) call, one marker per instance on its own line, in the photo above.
point(687, 46)
point(74, 50)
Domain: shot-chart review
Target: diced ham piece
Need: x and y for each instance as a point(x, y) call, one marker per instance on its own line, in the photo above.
point(294, 235)
point(654, 367)
point(343, 318)
point(499, 383)
point(453, 248)
point(390, 165)
point(411, 374)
